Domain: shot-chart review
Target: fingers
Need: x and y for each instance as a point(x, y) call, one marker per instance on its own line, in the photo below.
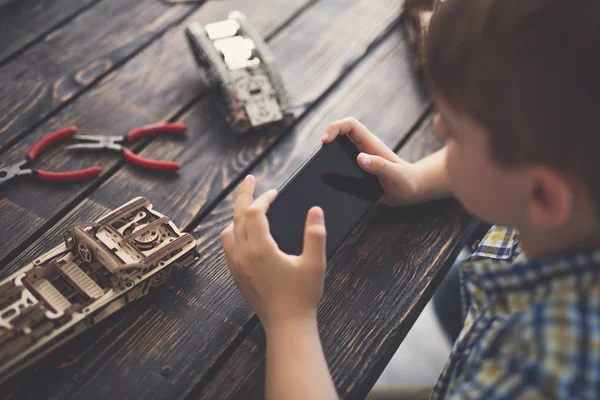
point(376, 165)
point(257, 225)
point(228, 239)
point(228, 243)
point(244, 200)
point(362, 138)
point(315, 238)
point(348, 126)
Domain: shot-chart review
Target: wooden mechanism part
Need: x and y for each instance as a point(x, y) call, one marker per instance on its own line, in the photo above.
point(100, 267)
point(81, 280)
point(51, 295)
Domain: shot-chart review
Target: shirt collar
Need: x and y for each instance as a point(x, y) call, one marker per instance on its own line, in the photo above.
point(501, 277)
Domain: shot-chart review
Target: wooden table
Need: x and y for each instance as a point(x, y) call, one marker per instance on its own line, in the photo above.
point(110, 65)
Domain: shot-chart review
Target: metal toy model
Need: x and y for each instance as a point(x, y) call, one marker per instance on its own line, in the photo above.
point(234, 59)
point(100, 268)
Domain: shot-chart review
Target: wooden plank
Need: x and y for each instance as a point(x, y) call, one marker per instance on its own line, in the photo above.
point(138, 93)
point(51, 73)
point(182, 326)
point(376, 285)
point(27, 21)
point(15, 215)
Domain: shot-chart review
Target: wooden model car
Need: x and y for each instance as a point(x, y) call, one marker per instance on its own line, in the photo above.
point(234, 59)
point(100, 267)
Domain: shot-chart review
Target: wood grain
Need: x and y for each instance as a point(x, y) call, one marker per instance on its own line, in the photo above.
point(217, 159)
point(136, 94)
point(189, 322)
point(72, 57)
point(27, 21)
point(376, 285)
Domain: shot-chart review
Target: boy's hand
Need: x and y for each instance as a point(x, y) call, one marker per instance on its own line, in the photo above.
point(399, 178)
point(278, 286)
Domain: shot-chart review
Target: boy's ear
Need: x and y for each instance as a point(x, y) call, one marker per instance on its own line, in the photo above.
point(551, 198)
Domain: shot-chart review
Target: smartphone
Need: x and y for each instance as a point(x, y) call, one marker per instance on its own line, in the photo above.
point(331, 179)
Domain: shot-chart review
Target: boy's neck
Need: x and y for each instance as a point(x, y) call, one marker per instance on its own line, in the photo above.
point(549, 244)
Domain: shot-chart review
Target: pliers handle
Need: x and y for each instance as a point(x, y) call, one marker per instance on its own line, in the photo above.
point(155, 129)
point(95, 142)
point(21, 168)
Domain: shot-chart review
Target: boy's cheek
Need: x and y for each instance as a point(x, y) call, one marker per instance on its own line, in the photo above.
point(484, 197)
point(470, 185)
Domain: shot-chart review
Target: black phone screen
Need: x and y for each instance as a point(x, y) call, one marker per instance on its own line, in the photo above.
point(332, 180)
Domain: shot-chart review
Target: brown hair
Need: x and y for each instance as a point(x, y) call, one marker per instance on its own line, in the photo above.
point(529, 72)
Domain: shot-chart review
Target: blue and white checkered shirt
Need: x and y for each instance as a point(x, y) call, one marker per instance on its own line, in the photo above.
point(532, 328)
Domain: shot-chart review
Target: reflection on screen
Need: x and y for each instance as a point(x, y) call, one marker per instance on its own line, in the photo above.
point(332, 180)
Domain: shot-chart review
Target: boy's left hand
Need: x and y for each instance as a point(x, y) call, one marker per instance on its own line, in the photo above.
point(278, 286)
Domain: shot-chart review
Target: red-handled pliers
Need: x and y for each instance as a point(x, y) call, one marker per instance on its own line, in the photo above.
point(23, 167)
point(96, 142)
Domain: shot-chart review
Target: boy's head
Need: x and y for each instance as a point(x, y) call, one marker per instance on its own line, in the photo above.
point(518, 81)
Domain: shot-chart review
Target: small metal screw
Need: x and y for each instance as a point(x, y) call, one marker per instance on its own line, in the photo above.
point(166, 370)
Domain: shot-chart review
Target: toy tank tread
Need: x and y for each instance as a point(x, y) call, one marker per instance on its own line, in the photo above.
point(100, 267)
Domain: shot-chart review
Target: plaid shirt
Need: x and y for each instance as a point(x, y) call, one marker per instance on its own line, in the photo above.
point(532, 329)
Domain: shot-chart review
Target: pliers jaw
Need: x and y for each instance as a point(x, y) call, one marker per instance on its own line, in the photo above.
point(18, 169)
point(95, 142)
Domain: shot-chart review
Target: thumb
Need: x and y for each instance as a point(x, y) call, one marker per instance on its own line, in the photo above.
point(376, 165)
point(315, 237)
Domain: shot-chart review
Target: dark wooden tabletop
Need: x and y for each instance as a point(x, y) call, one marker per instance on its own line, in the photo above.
point(108, 66)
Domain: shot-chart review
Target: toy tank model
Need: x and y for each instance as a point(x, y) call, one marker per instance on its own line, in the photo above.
point(234, 59)
point(100, 267)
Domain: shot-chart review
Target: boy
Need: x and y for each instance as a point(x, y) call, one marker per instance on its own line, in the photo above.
point(517, 87)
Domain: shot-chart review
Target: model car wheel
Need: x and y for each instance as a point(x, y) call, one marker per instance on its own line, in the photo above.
point(161, 277)
point(84, 252)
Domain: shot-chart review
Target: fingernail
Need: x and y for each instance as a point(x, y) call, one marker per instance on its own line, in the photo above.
point(317, 215)
point(365, 160)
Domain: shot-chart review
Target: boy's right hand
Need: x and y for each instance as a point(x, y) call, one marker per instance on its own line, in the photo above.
point(399, 178)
